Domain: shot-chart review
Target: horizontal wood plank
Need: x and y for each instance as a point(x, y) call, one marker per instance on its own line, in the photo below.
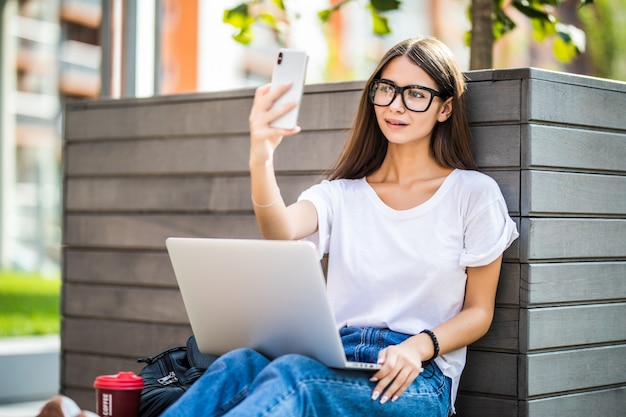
point(179, 194)
point(306, 152)
point(503, 335)
point(80, 370)
point(559, 327)
point(490, 373)
point(602, 403)
point(579, 194)
point(477, 406)
point(497, 146)
point(577, 104)
point(118, 267)
point(151, 231)
point(108, 337)
point(149, 305)
point(577, 282)
point(489, 102)
point(212, 115)
point(576, 369)
point(508, 293)
point(585, 149)
point(570, 239)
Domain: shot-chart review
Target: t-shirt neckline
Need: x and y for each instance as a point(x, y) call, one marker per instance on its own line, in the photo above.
point(413, 211)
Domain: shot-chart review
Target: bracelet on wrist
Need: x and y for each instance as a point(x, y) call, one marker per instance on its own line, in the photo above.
point(271, 203)
point(435, 343)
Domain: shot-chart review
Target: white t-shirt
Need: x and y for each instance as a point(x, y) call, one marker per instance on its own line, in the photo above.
point(405, 269)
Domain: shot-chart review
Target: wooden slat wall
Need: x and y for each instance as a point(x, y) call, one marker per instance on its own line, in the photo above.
point(139, 171)
point(573, 205)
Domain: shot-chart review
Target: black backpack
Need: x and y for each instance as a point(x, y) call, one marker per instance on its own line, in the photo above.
point(169, 374)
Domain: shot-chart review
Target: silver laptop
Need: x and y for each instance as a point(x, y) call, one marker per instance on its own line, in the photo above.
point(262, 294)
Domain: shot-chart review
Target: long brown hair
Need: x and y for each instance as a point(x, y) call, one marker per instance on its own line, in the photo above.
point(366, 147)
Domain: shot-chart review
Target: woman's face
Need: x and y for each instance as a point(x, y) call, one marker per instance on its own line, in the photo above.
point(400, 125)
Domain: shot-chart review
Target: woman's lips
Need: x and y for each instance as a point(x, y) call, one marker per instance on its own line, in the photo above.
point(394, 123)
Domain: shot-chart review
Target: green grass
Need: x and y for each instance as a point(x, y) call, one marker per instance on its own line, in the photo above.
point(29, 304)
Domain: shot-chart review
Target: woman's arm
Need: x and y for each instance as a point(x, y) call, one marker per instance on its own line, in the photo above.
point(402, 363)
point(274, 218)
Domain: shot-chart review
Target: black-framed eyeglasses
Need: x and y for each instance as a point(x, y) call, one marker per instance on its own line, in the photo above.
point(416, 98)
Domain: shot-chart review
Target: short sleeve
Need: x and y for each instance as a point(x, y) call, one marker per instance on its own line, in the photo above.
point(320, 195)
point(488, 233)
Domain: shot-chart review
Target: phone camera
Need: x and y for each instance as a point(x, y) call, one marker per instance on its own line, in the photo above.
point(280, 58)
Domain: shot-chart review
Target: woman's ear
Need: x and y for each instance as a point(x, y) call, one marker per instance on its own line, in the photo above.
point(445, 111)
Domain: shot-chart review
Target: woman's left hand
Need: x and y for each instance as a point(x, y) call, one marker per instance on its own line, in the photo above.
point(401, 364)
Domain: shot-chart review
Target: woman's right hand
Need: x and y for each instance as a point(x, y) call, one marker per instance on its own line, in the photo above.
point(264, 138)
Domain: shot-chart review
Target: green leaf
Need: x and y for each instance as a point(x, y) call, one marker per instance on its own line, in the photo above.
point(324, 15)
point(532, 11)
point(238, 16)
point(502, 24)
point(542, 29)
point(385, 5)
point(244, 36)
point(572, 35)
point(380, 24)
point(563, 50)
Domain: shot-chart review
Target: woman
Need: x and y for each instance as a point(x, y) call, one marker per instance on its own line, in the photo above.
point(415, 238)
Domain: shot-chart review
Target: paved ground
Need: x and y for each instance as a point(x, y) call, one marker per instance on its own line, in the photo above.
point(21, 358)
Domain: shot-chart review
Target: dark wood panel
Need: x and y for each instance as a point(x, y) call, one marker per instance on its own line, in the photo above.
point(509, 284)
point(577, 369)
point(558, 327)
point(490, 373)
point(81, 370)
point(489, 102)
point(119, 338)
point(573, 149)
point(509, 182)
point(568, 239)
point(150, 231)
point(468, 405)
point(497, 146)
point(579, 194)
point(123, 268)
point(331, 106)
point(175, 193)
point(150, 305)
point(308, 151)
point(504, 332)
point(554, 283)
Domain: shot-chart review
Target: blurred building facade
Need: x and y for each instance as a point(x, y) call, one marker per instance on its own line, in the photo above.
point(53, 51)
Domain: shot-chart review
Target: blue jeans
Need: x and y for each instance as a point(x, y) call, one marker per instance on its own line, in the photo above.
point(245, 383)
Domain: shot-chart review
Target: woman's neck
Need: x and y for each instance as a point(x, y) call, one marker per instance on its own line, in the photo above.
point(405, 164)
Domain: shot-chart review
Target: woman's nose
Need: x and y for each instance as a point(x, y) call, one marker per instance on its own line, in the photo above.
point(397, 104)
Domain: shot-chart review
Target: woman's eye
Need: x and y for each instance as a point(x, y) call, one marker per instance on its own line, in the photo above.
point(416, 94)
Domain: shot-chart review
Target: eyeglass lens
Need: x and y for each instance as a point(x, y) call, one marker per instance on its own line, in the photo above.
point(415, 99)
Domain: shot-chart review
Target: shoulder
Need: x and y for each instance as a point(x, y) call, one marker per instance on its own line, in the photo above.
point(333, 189)
point(339, 185)
point(476, 182)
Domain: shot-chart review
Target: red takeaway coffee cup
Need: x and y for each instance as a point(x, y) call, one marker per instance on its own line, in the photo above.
point(118, 395)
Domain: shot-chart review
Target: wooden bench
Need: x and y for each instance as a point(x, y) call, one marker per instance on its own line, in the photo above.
point(139, 170)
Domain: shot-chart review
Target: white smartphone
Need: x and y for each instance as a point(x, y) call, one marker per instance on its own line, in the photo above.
point(290, 67)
